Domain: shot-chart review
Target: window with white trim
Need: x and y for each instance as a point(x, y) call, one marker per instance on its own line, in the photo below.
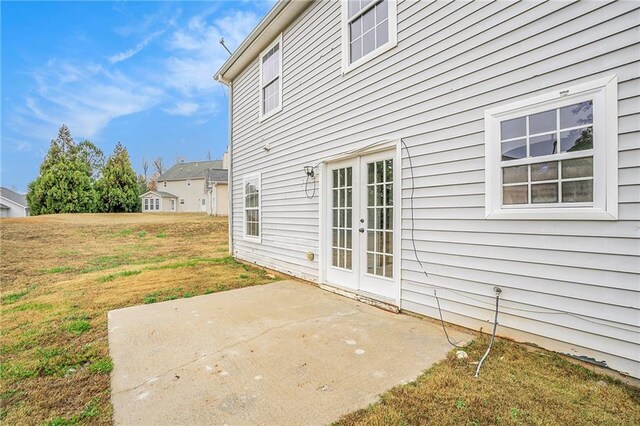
point(157, 203)
point(369, 29)
point(252, 206)
point(554, 156)
point(188, 182)
point(164, 184)
point(271, 79)
point(146, 204)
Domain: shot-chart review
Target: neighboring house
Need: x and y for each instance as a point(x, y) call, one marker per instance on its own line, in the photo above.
point(13, 204)
point(456, 147)
point(199, 186)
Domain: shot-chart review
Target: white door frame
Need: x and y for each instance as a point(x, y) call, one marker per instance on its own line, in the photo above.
point(324, 193)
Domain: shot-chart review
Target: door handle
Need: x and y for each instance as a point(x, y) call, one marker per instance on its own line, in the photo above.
point(361, 230)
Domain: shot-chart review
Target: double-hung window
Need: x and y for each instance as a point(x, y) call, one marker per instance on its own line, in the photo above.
point(146, 204)
point(157, 203)
point(271, 79)
point(369, 28)
point(252, 203)
point(554, 156)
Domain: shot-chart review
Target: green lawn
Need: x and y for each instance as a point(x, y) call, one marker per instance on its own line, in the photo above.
point(60, 276)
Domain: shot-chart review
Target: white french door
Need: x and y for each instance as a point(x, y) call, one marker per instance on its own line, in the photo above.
point(360, 228)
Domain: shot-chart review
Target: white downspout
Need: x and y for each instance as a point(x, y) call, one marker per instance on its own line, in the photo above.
point(229, 85)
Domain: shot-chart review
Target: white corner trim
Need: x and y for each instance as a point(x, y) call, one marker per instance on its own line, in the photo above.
point(604, 92)
point(261, 116)
point(246, 178)
point(393, 38)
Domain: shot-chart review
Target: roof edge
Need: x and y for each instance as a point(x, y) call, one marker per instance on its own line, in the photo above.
point(160, 194)
point(276, 21)
point(16, 202)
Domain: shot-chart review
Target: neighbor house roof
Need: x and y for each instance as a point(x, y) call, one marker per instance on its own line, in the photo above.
point(161, 194)
point(10, 195)
point(279, 17)
point(193, 170)
point(218, 175)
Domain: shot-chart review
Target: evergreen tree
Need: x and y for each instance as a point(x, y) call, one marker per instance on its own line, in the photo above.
point(61, 148)
point(118, 189)
point(92, 156)
point(64, 184)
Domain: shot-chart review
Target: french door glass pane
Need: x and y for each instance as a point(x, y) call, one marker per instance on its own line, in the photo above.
point(380, 218)
point(342, 212)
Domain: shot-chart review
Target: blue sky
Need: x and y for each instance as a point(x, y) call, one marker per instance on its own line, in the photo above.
point(136, 72)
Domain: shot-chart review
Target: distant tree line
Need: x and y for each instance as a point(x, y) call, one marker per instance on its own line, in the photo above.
point(75, 178)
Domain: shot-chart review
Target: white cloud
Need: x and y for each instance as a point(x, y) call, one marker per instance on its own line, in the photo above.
point(123, 56)
point(85, 97)
point(197, 53)
point(183, 108)
point(16, 144)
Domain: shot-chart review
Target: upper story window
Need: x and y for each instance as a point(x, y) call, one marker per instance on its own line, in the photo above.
point(252, 207)
point(188, 182)
point(271, 79)
point(369, 29)
point(554, 156)
point(164, 184)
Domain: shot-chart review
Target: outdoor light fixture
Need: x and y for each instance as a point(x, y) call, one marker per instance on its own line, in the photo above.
point(309, 171)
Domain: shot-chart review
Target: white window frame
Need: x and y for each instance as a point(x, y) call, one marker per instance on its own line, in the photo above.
point(263, 116)
point(393, 36)
point(182, 201)
point(158, 204)
point(188, 182)
point(258, 177)
point(164, 184)
point(146, 204)
point(604, 92)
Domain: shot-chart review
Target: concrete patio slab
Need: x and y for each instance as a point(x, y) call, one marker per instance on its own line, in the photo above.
point(278, 354)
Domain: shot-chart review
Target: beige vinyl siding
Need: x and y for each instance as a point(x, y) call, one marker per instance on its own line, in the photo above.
point(453, 61)
point(191, 194)
point(222, 199)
